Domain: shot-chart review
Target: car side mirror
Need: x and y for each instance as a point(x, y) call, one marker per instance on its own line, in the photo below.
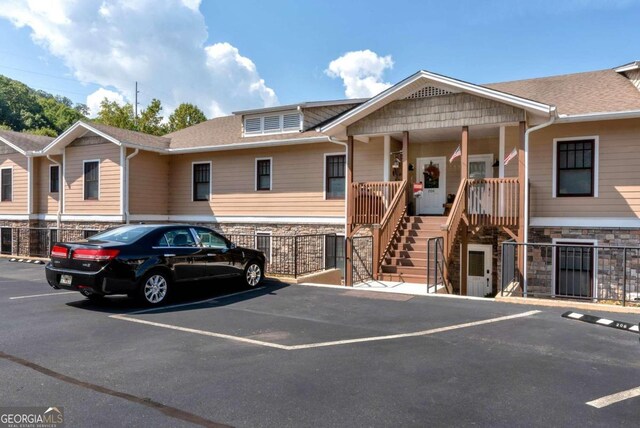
point(232, 245)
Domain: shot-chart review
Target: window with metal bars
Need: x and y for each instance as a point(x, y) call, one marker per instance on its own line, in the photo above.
point(335, 176)
point(575, 168)
point(54, 179)
point(263, 243)
point(201, 181)
point(91, 180)
point(263, 174)
point(7, 184)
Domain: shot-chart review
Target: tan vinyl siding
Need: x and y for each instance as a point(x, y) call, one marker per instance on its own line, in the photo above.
point(368, 159)
point(297, 183)
point(18, 203)
point(619, 174)
point(148, 183)
point(109, 200)
point(45, 202)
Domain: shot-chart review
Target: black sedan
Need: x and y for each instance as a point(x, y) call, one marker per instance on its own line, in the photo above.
point(147, 261)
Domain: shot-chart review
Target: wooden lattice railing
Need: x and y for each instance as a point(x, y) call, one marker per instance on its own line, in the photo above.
point(371, 201)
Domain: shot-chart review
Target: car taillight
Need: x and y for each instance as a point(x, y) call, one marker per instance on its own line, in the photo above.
point(59, 252)
point(95, 255)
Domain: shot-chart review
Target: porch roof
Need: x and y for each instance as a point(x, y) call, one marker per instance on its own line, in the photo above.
point(424, 78)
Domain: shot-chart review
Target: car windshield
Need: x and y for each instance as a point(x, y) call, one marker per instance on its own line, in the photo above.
point(124, 234)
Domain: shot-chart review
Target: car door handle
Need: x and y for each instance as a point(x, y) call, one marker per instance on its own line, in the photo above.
point(211, 254)
point(169, 255)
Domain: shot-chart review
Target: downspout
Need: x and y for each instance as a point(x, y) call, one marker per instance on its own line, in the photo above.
point(126, 185)
point(346, 190)
point(529, 131)
point(60, 191)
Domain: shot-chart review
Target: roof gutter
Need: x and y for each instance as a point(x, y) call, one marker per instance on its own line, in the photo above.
point(590, 117)
point(252, 145)
point(60, 192)
point(528, 132)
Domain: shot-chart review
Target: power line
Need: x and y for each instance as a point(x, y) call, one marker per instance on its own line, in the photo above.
point(48, 75)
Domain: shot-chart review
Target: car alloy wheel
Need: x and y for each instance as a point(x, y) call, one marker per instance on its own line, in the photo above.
point(253, 275)
point(155, 289)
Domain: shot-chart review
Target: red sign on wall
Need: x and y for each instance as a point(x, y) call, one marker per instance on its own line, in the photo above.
point(417, 187)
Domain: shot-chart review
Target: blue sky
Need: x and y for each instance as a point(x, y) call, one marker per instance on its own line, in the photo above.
point(278, 52)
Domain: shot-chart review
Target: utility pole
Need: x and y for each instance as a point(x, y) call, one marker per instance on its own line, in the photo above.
point(135, 106)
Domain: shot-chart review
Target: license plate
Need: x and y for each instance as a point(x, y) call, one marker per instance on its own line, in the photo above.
point(65, 279)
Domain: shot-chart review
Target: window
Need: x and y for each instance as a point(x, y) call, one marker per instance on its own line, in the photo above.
point(177, 238)
point(334, 252)
point(263, 174)
point(263, 243)
point(575, 162)
point(574, 269)
point(7, 184)
point(91, 180)
point(335, 178)
point(210, 239)
point(201, 181)
point(54, 178)
point(272, 123)
point(6, 240)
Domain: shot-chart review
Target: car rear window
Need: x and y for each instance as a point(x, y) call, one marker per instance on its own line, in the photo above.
point(124, 234)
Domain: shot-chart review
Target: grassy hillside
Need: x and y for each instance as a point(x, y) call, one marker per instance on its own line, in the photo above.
point(25, 109)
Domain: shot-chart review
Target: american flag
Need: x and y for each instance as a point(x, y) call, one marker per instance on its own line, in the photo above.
point(455, 154)
point(510, 156)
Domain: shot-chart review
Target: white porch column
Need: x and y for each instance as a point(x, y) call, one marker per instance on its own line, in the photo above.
point(386, 161)
point(501, 153)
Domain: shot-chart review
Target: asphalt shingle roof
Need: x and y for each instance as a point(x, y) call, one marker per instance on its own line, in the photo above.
point(26, 142)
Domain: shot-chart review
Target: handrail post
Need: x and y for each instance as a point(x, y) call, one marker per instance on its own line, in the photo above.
point(295, 256)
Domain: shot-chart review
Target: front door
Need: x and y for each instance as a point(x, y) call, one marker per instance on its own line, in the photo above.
point(479, 270)
point(480, 198)
point(432, 173)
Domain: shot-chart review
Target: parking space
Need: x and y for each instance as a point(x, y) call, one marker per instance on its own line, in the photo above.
point(287, 355)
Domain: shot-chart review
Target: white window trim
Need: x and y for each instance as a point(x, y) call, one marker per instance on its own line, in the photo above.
point(596, 163)
point(255, 174)
point(264, 233)
point(561, 241)
point(2, 169)
point(210, 179)
point(53, 165)
point(83, 179)
point(262, 131)
point(324, 175)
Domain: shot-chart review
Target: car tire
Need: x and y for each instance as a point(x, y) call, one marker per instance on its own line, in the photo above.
point(94, 297)
point(253, 274)
point(155, 288)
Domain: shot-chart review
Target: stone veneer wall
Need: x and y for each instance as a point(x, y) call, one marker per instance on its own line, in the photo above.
point(610, 262)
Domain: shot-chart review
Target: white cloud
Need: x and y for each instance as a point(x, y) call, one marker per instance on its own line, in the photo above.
point(160, 44)
point(361, 72)
point(94, 99)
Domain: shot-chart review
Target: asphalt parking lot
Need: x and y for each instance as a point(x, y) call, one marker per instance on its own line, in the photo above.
point(289, 355)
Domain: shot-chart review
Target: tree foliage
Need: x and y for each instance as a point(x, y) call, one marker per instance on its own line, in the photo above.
point(25, 109)
point(184, 116)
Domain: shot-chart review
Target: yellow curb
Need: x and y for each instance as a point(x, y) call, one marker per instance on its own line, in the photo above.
point(598, 307)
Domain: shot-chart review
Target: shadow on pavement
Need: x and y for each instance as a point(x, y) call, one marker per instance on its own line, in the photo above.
point(184, 294)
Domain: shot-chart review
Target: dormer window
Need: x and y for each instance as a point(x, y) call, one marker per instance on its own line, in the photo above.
point(272, 123)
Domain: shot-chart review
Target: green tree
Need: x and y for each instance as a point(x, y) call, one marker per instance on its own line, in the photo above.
point(150, 121)
point(43, 131)
point(111, 113)
point(184, 116)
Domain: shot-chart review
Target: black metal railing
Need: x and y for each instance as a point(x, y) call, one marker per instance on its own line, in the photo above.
point(572, 270)
point(362, 258)
point(37, 241)
point(295, 255)
point(435, 265)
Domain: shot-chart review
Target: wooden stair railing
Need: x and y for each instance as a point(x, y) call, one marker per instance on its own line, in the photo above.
point(371, 201)
point(493, 202)
point(384, 235)
point(455, 217)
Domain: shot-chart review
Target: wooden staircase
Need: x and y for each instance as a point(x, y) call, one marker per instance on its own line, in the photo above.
point(407, 259)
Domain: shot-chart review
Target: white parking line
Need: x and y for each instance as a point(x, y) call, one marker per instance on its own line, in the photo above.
point(59, 293)
point(614, 398)
point(125, 317)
